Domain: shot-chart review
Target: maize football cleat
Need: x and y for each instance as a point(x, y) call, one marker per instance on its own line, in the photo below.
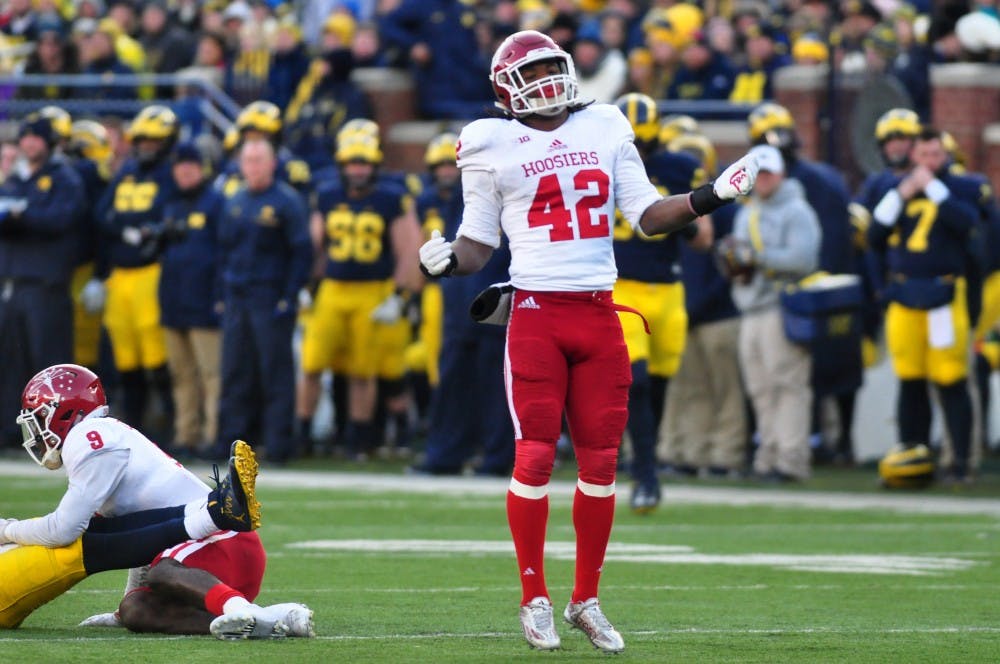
point(539, 627)
point(588, 618)
point(233, 503)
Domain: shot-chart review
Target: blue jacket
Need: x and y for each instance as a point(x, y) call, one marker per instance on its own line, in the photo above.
point(264, 245)
point(706, 292)
point(713, 81)
point(190, 259)
point(41, 243)
point(455, 83)
point(94, 182)
point(827, 194)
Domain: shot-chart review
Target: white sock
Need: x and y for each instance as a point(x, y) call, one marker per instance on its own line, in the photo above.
point(237, 605)
point(197, 521)
point(195, 506)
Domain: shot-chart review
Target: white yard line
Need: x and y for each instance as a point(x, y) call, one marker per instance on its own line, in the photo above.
point(694, 631)
point(691, 495)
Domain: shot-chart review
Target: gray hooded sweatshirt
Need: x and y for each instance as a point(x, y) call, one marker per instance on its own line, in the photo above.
point(790, 234)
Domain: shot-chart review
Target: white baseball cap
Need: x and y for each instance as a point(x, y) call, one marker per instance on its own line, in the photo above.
point(769, 158)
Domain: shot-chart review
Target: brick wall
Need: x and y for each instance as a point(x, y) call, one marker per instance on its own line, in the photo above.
point(966, 99)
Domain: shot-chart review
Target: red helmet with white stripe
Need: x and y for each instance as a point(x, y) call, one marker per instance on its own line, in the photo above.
point(52, 403)
point(547, 95)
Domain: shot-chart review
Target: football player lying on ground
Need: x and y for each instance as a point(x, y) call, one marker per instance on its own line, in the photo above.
point(200, 586)
point(34, 575)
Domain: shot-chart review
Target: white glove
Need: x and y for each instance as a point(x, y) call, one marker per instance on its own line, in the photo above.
point(3, 531)
point(102, 620)
point(93, 296)
point(132, 236)
point(738, 179)
point(436, 255)
point(389, 310)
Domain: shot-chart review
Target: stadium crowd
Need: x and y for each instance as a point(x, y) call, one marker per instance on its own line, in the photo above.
point(233, 276)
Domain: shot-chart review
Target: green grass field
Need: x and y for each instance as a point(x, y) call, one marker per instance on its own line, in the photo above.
point(403, 569)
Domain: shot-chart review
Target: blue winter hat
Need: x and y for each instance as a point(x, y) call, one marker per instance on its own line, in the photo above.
point(188, 151)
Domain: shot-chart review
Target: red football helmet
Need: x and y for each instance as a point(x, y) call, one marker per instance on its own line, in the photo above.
point(51, 404)
point(547, 95)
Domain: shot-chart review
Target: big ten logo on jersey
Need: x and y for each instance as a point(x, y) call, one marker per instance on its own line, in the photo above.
point(354, 236)
point(132, 196)
point(624, 232)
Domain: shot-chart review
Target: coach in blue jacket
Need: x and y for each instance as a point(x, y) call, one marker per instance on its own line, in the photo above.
point(189, 264)
point(40, 208)
point(265, 258)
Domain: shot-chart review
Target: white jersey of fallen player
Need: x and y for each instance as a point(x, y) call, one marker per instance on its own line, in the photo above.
point(112, 470)
point(553, 193)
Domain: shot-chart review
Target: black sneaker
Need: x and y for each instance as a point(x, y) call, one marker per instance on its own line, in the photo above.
point(233, 503)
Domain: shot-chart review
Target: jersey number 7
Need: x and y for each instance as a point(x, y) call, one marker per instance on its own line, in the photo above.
point(549, 208)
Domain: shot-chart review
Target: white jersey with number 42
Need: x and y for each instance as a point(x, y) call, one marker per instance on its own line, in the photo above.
point(553, 193)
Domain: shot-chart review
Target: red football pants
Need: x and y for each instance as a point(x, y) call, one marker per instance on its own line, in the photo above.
point(565, 351)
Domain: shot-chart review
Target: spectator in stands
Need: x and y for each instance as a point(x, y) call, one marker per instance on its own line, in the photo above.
point(247, 73)
point(703, 74)
point(315, 12)
point(187, 298)
point(18, 22)
point(764, 56)
point(450, 70)
point(211, 51)
point(600, 71)
point(326, 97)
point(41, 203)
point(366, 48)
point(665, 59)
point(95, 9)
point(54, 54)
point(289, 62)
point(233, 19)
point(641, 76)
point(98, 56)
point(859, 17)
point(168, 47)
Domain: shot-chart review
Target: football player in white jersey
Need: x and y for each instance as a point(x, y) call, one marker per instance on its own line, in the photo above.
point(203, 585)
point(549, 174)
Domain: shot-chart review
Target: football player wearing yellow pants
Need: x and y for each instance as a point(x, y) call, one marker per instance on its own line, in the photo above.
point(921, 231)
point(128, 214)
point(370, 237)
point(649, 282)
point(34, 575)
